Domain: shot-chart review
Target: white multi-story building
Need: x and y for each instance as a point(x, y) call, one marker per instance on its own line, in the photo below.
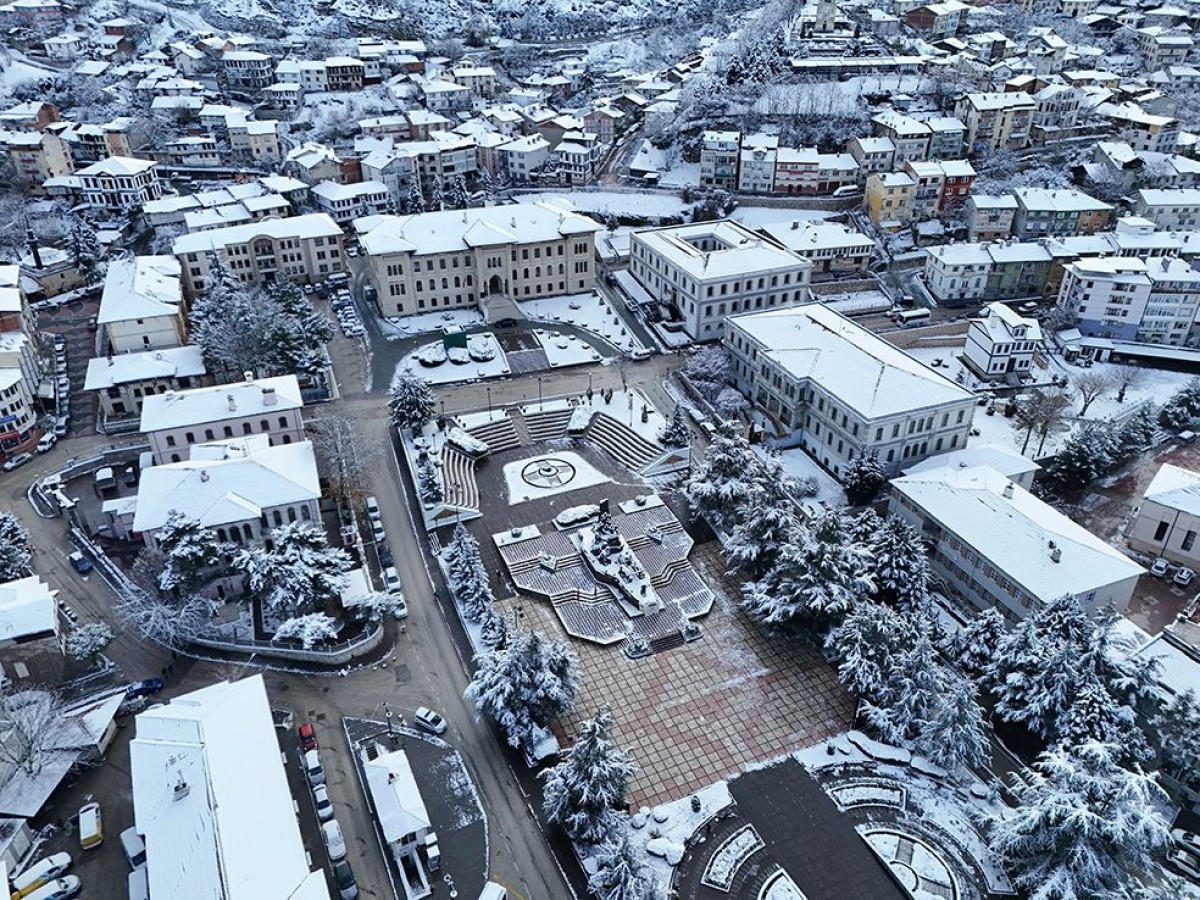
point(1169, 208)
point(300, 248)
point(458, 258)
point(1168, 521)
point(1108, 295)
point(175, 422)
point(142, 306)
point(709, 270)
point(829, 246)
point(123, 382)
point(344, 202)
point(247, 70)
point(1001, 343)
point(523, 155)
point(756, 168)
point(120, 183)
point(1173, 305)
point(996, 546)
point(910, 136)
point(719, 152)
point(839, 391)
point(996, 121)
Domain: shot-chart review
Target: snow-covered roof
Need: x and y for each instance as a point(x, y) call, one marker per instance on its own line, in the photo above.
point(458, 230)
point(739, 250)
point(332, 191)
point(875, 144)
point(1058, 200)
point(233, 835)
point(118, 166)
point(229, 481)
point(202, 406)
point(1001, 323)
point(863, 370)
point(1170, 196)
point(312, 225)
point(1176, 488)
point(1005, 460)
point(395, 796)
point(810, 236)
point(147, 365)
point(27, 608)
point(1018, 534)
point(140, 287)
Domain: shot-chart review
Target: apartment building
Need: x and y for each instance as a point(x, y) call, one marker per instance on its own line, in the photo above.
point(300, 248)
point(522, 156)
point(456, 259)
point(120, 183)
point(959, 274)
point(757, 162)
point(1001, 343)
point(247, 70)
point(122, 382)
point(873, 154)
point(910, 136)
point(706, 271)
point(995, 121)
point(889, 196)
point(346, 202)
point(174, 422)
point(829, 246)
point(479, 80)
point(938, 185)
point(141, 307)
point(37, 156)
point(1140, 129)
point(1108, 294)
point(1168, 520)
point(838, 390)
point(719, 151)
point(1043, 212)
point(996, 546)
point(254, 140)
point(1169, 208)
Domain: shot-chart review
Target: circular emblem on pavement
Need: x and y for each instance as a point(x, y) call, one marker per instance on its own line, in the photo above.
point(548, 472)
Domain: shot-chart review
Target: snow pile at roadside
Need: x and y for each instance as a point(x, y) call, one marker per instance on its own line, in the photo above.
point(396, 327)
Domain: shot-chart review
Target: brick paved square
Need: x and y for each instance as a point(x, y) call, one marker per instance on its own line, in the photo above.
point(704, 711)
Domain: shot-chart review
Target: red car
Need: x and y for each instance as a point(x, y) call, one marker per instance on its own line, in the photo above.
point(308, 737)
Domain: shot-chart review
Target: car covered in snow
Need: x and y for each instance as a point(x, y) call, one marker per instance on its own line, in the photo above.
point(1184, 576)
point(322, 803)
point(1187, 840)
point(1159, 567)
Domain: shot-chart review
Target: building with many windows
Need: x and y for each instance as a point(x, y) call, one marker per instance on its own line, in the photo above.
point(458, 258)
point(719, 151)
point(996, 546)
point(300, 248)
point(996, 121)
point(123, 382)
point(119, 183)
point(142, 306)
point(1168, 521)
point(1001, 343)
point(709, 270)
point(837, 390)
point(1108, 294)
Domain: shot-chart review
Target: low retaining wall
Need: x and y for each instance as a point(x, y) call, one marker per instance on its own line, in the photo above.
point(333, 655)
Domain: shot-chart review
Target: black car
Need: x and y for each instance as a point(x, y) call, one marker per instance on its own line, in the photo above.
point(144, 688)
point(385, 556)
point(507, 323)
point(347, 886)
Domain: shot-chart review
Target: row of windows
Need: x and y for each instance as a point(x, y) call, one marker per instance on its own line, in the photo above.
point(247, 428)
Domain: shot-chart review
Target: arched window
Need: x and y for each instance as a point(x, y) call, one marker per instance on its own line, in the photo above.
point(249, 533)
point(420, 286)
point(457, 281)
point(291, 514)
point(470, 280)
point(228, 431)
point(264, 425)
point(526, 273)
point(221, 535)
point(247, 428)
point(283, 423)
point(561, 270)
point(445, 283)
point(305, 513)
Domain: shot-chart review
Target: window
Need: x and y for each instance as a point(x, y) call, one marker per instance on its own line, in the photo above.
point(1161, 531)
point(1189, 540)
point(170, 440)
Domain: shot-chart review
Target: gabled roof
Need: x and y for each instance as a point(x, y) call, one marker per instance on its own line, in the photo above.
point(140, 287)
point(149, 365)
point(396, 796)
point(119, 165)
point(1176, 488)
point(203, 406)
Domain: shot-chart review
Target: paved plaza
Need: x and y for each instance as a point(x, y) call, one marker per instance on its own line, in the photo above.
point(706, 710)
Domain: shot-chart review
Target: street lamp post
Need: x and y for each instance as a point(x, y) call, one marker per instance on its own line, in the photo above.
point(539, 393)
point(488, 388)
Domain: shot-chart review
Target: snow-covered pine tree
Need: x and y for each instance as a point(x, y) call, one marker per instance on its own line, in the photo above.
point(819, 579)
point(589, 783)
point(487, 184)
point(863, 479)
point(1082, 825)
point(437, 198)
point(676, 433)
point(429, 481)
point(954, 734)
point(493, 630)
point(84, 249)
point(309, 629)
point(1136, 432)
point(301, 343)
point(754, 545)
point(1095, 716)
point(191, 551)
point(914, 684)
point(867, 645)
point(1084, 456)
point(414, 200)
point(708, 370)
point(620, 872)
point(14, 548)
point(1034, 680)
point(862, 526)
point(460, 197)
point(86, 642)
point(1183, 408)
point(298, 574)
point(729, 403)
point(467, 578)
point(722, 487)
point(525, 686)
point(976, 647)
point(410, 400)
point(1177, 730)
point(898, 565)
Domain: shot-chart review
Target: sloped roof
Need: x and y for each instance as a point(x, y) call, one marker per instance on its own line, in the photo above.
point(140, 287)
point(1176, 488)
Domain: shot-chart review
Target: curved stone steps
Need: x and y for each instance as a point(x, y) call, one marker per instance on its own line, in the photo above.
point(459, 468)
point(623, 443)
point(499, 434)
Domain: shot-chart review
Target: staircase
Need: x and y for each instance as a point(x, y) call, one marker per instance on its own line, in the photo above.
point(667, 642)
point(624, 444)
point(548, 425)
point(459, 468)
point(499, 434)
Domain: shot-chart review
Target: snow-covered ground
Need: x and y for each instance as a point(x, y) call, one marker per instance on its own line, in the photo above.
point(18, 71)
point(633, 203)
point(554, 473)
point(448, 372)
point(591, 312)
point(565, 349)
point(758, 216)
point(799, 464)
point(395, 328)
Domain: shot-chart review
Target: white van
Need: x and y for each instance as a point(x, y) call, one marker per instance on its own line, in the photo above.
point(313, 768)
point(134, 848)
point(91, 826)
point(139, 884)
point(105, 478)
point(493, 891)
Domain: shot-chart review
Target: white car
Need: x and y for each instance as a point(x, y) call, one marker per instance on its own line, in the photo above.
point(391, 580)
point(335, 844)
point(322, 803)
point(427, 719)
point(59, 889)
point(47, 442)
point(1186, 864)
point(1184, 577)
point(372, 507)
point(15, 462)
point(378, 535)
point(1187, 840)
point(1159, 567)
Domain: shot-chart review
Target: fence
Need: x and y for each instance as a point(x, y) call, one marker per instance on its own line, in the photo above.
point(37, 494)
point(339, 654)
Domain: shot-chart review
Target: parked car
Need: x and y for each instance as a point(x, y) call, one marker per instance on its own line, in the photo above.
point(130, 476)
point(391, 580)
point(60, 426)
point(507, 323)
point(313, 769)
point(847, 190)
point(59, 889)
point(1187, 840)
point(1186, 864)
point(133, 847)
point(91, 826)
point(308, 737)
point(322, 803)
point(1184, 576)
point(80, 563)
point(335, 844)
point(1028, 307)
point(144, 688)
point(344, 878)
point(40, 874)
point(372, 507)
point(385, 555)
point(60, 342)
point(378, 535)
point(399, 608)
point(430, 721)
point(47, 442)
point(15, 462)
point(1159, 567)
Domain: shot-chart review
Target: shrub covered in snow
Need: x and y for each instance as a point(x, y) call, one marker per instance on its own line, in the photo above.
point(14, 548)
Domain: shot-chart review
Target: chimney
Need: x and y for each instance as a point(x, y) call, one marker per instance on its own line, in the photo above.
point(110, 359)
point(203, 475)
point(232, 402)
point(1008, 491)
point(796, 225)
point(1055, 555)
point(247, 376)
point(269, 397)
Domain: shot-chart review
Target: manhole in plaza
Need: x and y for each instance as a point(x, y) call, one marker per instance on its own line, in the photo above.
point(402, 674)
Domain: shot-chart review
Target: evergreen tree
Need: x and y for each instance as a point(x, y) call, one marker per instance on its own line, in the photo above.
point(591, 781)
point(468, 580)
point(720, 489)
point(1177, 729)
point(1035, 681)
point(493, 630)
point(1095, 716)
point(1183, 408)
point(897, 564)
point(1083, 457)
point(676, 432)
point(819, 579)
point(460, 197)
point(429, 481)
point(867, 645)
point(87, 642)
point(191, 551)
point(410, 400)
point(414, 201)
point(14, 548)
point(863, 479)
point(84, 249)
point(754, 546)
point(912, 688)
point(977, 646)
point(1082, 824)
point(487, 184)
point(1136, 433)
point(298, 574)
point(620, 872)
point(525, 686)
point(437, 199)
point(954, 735)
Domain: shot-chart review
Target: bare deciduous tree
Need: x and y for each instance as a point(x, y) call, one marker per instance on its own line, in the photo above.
point(1041, 412)
point(1127, 377)
point(31, 726)
point(1091, 386)
point(342, 454)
